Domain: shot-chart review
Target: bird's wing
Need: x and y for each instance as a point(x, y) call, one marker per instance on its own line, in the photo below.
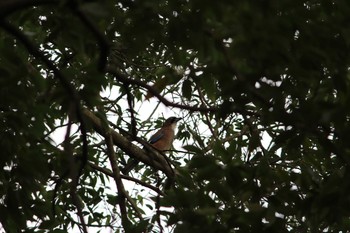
point(155, 137)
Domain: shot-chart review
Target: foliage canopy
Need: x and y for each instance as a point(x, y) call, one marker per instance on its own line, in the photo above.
point(263, 87)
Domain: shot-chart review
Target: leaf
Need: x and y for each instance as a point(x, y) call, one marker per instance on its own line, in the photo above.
point(209, 86)
point(159, 86)
point(187, 89)
point(193, 148)
point(94, 9)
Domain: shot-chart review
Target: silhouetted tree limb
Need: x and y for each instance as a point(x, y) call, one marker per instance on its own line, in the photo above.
point(154, 159)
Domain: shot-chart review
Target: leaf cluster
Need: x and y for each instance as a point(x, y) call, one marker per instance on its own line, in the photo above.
point(263, 87)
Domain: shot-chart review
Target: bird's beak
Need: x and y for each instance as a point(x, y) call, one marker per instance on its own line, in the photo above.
point(177, 119)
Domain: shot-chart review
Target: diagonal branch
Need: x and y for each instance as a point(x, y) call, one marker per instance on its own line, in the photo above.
point(109, 173)
point(122, 194)
point(153, 158)
point(117, 178)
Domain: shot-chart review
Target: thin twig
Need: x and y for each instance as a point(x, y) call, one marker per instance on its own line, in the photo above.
point(110, 173)
point(123, 79)
point(154, 110)
point(211, 128)
point(253, 131)
point(131, 109)
point(117, 178)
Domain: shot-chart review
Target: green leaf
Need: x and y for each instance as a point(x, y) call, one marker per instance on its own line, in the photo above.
point(187, 89)
point(94, 9)
point(193, 148)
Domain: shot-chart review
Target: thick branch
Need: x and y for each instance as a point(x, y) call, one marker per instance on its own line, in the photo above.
point(158, 162)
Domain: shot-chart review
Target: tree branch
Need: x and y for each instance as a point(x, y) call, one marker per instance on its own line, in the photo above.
point(131, 109)
point(109, 173)
point(153, 158)
point(125, 80)
point(116, 175)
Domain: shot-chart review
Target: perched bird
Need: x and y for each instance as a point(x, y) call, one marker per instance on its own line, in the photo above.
point(162, 140)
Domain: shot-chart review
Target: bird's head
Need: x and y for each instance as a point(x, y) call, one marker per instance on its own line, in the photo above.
point(171, 121)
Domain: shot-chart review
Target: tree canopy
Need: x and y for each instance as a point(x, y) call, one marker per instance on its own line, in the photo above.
point(262, 87)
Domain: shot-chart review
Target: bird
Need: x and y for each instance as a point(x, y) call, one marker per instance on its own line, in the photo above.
point(162, 140)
